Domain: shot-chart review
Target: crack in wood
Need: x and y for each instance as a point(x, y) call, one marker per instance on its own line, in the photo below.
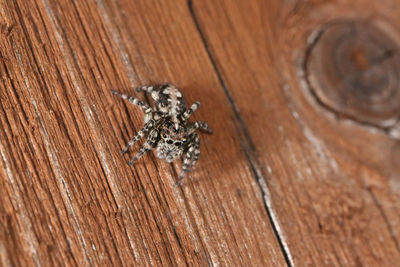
point(248, 147)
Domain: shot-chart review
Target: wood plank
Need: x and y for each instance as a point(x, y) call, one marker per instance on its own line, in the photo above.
point(333, 181)
point(67, 195)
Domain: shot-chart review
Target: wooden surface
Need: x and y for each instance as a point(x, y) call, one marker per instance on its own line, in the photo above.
point(294, 175)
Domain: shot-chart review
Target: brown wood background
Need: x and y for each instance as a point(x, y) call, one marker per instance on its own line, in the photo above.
point(284, 180)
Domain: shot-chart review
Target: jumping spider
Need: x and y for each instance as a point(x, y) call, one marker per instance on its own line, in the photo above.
point(167, 127)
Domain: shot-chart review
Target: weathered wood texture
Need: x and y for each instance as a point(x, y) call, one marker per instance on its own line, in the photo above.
point(293, 174)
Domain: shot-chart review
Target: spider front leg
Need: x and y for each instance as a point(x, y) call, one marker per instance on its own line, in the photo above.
point(195, 106)
point(199, 125)
point(154, 90)
point(204, 127)
point(149, 145)
point(146, 88)
point(146, 108)
point(139, 135)
point(191, 157)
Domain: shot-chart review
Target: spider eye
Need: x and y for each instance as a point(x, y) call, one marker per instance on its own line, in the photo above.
point(170, 142)
point(164, 135)
point(178, 143)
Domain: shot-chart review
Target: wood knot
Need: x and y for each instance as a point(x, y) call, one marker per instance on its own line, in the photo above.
point(353, 69)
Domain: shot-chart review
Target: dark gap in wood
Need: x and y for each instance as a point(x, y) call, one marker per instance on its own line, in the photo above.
point(174, 231)
point(176, 236)
point(244, 136)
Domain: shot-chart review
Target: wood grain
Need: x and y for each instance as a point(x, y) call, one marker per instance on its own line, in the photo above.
point(69, 196)
point(283, 180)
point(331, 179)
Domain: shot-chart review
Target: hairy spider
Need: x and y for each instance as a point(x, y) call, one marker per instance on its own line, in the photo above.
point(167, 126)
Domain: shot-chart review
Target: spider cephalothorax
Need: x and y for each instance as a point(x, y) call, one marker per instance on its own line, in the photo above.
point(167, 127)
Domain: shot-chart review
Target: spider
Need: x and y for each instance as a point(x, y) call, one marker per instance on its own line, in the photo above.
point(167, 126)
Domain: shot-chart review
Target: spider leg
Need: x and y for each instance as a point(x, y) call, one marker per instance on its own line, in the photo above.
point(145, 88)
point(149, 145)
point(172, 156)
point(199, 125)
point(190, 111)
point(168, 159)
point(146, 108)
point(191, 157)
point(139, 135)
point(154, 91)
point(204, 127)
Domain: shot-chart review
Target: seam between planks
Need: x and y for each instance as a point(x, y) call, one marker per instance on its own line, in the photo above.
point(248, 147)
